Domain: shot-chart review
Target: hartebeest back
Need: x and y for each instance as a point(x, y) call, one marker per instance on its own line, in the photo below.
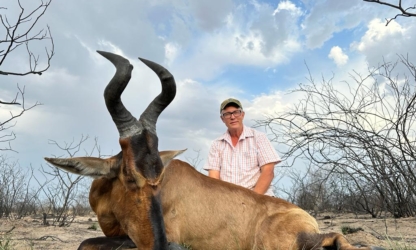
point(132, 191)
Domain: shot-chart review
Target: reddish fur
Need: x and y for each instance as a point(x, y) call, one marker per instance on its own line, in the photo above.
point(206, 213)
point(105, 243)
point(123, 207)
point(202, 212)
point(121, 211)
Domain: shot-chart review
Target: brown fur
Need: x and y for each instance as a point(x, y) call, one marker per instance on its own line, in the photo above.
point(123, 211)
point(105, 243)
point(206, 213)
point(133, 187)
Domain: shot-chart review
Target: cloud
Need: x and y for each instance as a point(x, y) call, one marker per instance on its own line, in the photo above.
point(338, 56)
point(289, 6)
point(381, 42)
point(197, 41)
point(171, 52)
point(259, 37)
point(211, 14)
point(378, 33)
point(326, 18)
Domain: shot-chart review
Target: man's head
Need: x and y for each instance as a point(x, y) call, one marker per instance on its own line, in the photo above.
point(230, 102)
point(232, 113)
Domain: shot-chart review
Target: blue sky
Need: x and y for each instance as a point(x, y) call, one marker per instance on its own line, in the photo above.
point(251, 50)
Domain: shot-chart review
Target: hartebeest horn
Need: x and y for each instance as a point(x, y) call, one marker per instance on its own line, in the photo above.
point(126, 123)
point(152, 112)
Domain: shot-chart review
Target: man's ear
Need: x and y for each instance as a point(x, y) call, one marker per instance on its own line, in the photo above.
point(88, 166)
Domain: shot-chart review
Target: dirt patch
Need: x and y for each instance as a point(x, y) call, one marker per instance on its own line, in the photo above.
point(29, 233)
point(389, 233)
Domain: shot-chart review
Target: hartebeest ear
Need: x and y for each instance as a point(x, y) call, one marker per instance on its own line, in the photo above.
point(167, 156)
point(88, 166)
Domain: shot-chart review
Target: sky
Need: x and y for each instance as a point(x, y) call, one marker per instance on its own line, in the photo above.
point(255, 51)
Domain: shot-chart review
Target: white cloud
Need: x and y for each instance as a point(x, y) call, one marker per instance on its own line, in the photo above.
point(338, 56)
point(211, 14)
point(326, 18)
point(378, 33)
point(196, 41)
point(171, 52)
point(107, 46)
point(384, 43)
point(267, 105)
point(289, 6)
point(250, 36)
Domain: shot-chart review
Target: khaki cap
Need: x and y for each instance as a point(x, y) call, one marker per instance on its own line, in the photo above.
point(228, 101)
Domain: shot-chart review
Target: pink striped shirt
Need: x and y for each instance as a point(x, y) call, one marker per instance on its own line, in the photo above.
point(241, 164)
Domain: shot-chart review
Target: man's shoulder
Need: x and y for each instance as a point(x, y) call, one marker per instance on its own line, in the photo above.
point(222, 137)
point(251, 132)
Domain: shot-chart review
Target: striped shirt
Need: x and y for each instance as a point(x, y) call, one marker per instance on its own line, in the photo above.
point(242, 164)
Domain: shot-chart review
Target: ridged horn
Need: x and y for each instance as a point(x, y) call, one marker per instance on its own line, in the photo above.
point(149, 117)
point(126, 123)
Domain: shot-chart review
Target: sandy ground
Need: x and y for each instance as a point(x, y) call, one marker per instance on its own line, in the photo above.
point(29, 233)
point(389, 233)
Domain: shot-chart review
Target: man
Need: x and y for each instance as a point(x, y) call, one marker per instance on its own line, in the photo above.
point(242, 155)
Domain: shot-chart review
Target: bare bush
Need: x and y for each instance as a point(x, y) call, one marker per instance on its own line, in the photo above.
point(66, 194)
point(363, 132)
point(17, 197)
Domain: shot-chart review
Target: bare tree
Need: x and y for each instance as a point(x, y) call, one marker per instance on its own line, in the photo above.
point(65, 194)
point(196, 160)
point(409, 11)
point(6, 135)
point(17, 197)
point(364, 132)
point(20, 33)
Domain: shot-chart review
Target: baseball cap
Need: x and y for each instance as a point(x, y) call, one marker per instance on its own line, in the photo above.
point(228, 101)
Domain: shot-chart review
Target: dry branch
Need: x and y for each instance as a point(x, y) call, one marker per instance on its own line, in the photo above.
point(405, 11)
point(17, 34)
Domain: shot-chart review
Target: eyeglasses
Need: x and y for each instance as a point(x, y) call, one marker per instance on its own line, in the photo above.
point(236, 113)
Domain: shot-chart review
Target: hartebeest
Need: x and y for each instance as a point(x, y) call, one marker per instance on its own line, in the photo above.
point(147, 196)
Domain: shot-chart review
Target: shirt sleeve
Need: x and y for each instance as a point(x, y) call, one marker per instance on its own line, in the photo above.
point(266, 152)
point(214, 158)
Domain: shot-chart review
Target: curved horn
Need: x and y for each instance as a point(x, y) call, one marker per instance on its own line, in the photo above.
point(126, 123)
point(152, 112)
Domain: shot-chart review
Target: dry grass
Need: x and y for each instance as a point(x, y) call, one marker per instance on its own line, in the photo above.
point(29, 233)
point(390, 233)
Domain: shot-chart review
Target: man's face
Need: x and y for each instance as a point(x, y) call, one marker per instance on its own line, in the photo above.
point(232, 118)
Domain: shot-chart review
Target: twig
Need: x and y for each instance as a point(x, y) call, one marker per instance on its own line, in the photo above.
point(51, 237)
point(8, 231)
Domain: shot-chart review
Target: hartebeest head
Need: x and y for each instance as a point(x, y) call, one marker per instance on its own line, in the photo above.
point(138, 166)
point(138, 140)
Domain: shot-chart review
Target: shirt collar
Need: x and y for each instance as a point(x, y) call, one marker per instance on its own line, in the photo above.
point(247, 132)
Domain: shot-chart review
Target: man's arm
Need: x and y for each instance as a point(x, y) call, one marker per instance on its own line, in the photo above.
point(212, 165)
point(214, 174)
point(265, 179)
